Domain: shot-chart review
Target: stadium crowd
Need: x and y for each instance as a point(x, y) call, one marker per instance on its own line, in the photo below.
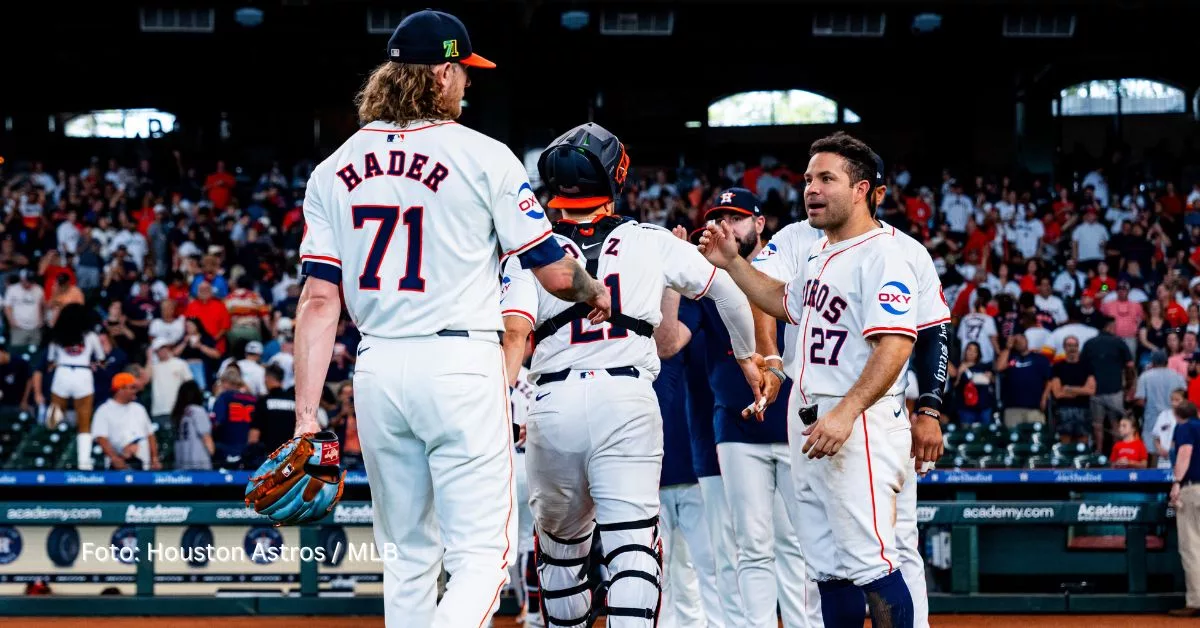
point(157, 304)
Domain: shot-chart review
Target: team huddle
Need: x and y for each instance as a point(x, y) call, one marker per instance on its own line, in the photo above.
point(450, 269)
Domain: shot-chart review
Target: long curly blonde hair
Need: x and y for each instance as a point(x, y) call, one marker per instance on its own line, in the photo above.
point(401, 93)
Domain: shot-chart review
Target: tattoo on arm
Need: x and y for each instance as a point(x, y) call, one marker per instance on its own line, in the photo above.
point(582, 288)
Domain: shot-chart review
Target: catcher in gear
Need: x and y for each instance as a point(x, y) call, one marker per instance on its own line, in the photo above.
point(300, 482)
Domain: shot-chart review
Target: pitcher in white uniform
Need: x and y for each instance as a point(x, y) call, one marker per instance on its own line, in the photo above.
point(595, 437)
point(406, 220)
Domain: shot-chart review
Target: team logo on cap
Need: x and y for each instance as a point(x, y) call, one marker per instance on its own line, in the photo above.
point(10, 544)
point(726, 198)
point(895, 298)
point(528, 204)
point(451, 46)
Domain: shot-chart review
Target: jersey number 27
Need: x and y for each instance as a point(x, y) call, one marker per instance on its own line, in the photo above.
point(388, 216)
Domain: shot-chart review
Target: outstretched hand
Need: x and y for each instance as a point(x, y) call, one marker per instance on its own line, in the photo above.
point(718, 244)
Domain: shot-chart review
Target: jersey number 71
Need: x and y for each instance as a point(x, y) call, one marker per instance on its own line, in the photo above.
point(388, 216)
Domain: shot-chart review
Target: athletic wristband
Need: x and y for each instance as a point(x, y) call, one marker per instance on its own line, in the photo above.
point(930, 400)
point(933, 414)
point(778, 373)
point(772, 357)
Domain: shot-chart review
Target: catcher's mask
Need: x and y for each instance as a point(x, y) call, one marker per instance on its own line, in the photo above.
point(584, 168)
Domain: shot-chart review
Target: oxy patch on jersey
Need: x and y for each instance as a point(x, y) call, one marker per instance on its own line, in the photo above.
point(895, 298)
point(528, 204)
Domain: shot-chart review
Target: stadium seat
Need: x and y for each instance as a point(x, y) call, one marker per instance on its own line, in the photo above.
point(954, 438)
point(975, 450)
point(1069, 450)
point(992, 461)
point(949, 460)
point(1090, 461)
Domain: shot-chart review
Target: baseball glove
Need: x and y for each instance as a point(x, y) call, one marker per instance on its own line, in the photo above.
point(300, 482)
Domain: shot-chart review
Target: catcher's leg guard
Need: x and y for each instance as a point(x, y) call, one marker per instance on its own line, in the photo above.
point(563, 565)
point(633, 554)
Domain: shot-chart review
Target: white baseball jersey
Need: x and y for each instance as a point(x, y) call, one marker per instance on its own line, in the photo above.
point(637, 262)
point(786, 254)
point(846, 294)
point(411, 221)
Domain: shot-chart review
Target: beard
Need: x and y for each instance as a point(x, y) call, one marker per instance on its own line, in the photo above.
point(746, 244)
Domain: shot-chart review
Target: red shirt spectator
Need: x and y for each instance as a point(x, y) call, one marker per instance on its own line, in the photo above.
point(918, 211)
point(1131, 452)
point(212, 314)
point(219, 186)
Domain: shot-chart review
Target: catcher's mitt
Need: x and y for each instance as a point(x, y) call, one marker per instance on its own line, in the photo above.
point(300, 482)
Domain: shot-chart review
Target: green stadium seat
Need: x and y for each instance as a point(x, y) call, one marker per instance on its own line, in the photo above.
point(992, 461)
point(949, 460)
point(1069, 450)
point(975, 450)
point(1090, 461)
point(1059, 462)
point(1037, 462)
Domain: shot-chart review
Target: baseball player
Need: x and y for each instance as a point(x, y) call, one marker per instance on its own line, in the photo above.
point(754, 458)
point(594, 445)
point(704, 462)
point(406, 218)
point(682, 500)
point(853, 302)
point(783, 258)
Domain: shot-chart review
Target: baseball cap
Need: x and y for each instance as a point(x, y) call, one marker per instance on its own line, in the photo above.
point(284, 324)
point(431, 37)
point(121, 380)
point(878, 180)
point(159, 343)
point(737, 201)
point(254, 347)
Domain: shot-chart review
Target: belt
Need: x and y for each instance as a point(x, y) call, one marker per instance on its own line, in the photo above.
point(808, 415)
point(462, 333)
point(558, 376)
point(73, 366)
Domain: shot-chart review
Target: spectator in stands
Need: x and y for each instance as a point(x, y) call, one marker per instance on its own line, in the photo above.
point(1129, 451)
point(168, 326)
point(118, 329)
point(1112, 364)
point(64, 294)
point(23, 304)
point(251, 368)
point(123, 429)
point(167, 373)
point(72, 355)
point(16, 381)
point(1152, 333)
point(1070, 283)
point(1164, 429)
point(210, 272)
point(274, 420)
point(345, 425)
point(219, 186)
point(956, 210)
point(1046, 301)
point(1182, 360)
point(232, 413)
point(1175, 315)
point(972, 383)
point(198, 349)
point(212, 314)
point(247, 311)
point(1126, 314)
point(1072, 386)
point(1154, 388)
point(1185, 497)
point(1087, 241)
point(980, 328)
point(1026, 375)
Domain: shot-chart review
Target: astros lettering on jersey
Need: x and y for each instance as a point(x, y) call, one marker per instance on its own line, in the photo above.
point(847, 293)
point(402, 218)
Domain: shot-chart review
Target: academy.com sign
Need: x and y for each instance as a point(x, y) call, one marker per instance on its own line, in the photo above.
point(157, 514)
point(1108, 512)
point(1008, 513)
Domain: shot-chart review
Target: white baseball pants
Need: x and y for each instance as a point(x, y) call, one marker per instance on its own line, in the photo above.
point(594, 452)
point(437, 446)
point(754, 474)
point(683, 516)
point(720, 530)
point(847, 502)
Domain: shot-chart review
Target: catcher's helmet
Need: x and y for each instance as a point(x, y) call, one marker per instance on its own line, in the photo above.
point(584, 168)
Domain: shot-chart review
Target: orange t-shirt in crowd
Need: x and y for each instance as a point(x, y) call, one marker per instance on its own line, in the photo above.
point(213, 316)
point(220, 194)
point(1133, 451)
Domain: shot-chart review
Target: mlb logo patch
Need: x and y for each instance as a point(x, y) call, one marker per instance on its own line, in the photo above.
point(587, 374)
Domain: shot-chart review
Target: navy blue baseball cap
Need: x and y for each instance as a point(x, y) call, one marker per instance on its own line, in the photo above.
point(735, 200)
point(878, 179)
point(431, 37)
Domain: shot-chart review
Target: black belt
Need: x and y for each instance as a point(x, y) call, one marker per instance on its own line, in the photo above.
point(462, 333)
point(808, 415)
point(558, 376)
